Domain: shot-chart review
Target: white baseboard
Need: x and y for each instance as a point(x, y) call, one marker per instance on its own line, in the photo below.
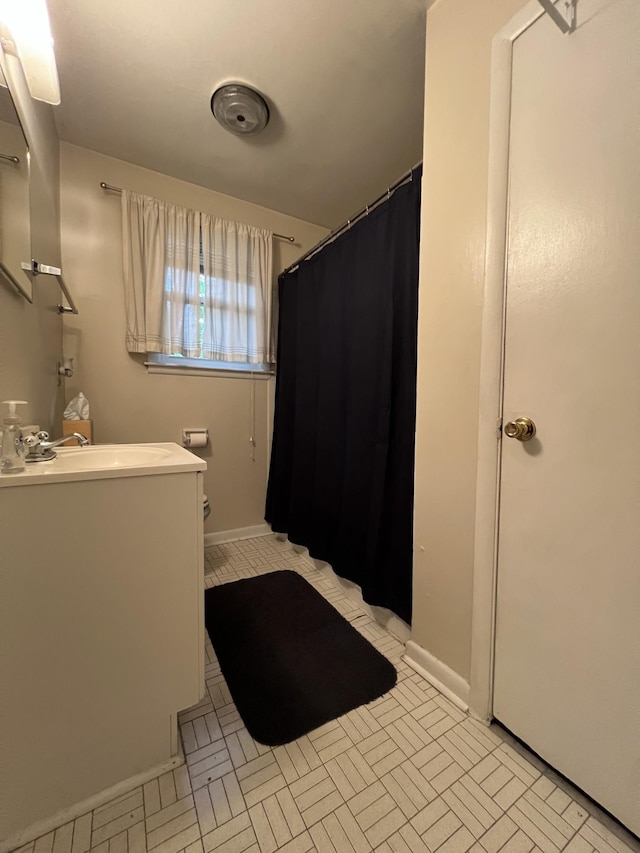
point(437, 673)
point(42, 827)
point(221, 536)
point(394, 624)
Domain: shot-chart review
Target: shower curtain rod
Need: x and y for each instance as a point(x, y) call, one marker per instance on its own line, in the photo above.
point(365, 211)
point(106, 186)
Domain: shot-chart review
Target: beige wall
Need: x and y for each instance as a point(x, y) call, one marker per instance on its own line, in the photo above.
point(459, 35)
point(127, 403)
point(30, 347)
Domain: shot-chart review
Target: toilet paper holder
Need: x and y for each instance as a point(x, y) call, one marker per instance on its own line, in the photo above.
point(195, 437)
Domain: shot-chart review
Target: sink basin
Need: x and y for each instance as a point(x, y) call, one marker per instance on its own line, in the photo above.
point(110, 456)
point(106, 461)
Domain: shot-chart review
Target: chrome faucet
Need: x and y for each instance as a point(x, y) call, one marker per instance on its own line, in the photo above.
point(40, 449)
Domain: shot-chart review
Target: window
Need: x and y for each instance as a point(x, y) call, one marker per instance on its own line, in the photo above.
point(198, 289)
point(199, 363)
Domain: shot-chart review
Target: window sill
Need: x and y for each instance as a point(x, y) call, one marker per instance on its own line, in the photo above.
point(219, 372)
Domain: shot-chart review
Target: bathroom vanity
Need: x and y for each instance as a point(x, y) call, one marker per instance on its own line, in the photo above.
point(101, 626)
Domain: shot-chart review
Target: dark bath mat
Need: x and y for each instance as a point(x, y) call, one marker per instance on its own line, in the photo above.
point(291, 661)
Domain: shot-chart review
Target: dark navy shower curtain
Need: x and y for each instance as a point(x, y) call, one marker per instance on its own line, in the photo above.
point(341, 476)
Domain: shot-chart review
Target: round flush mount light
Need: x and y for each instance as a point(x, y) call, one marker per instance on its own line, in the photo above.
point(240, 109)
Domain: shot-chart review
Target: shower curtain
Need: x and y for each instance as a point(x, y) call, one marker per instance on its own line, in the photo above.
point(341, 475)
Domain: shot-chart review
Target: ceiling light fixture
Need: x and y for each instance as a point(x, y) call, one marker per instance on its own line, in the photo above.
point(240, 109)
point(25, 31)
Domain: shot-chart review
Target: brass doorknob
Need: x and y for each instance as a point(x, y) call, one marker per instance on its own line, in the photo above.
point(522, 428)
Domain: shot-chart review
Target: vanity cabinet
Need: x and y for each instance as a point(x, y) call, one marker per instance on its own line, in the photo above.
point(101, 630)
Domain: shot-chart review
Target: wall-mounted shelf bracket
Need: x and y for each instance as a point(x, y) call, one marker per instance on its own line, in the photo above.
point(41, 269)
point(566, 22)
point(36, 268)
point(64, 309)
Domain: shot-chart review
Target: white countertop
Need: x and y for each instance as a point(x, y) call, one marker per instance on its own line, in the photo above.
point(107, 461)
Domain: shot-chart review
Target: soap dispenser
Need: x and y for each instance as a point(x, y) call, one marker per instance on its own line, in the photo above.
point(12, 455)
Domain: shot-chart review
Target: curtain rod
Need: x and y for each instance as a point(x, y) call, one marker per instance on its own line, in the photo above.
point(106, 186)
point(365, 211)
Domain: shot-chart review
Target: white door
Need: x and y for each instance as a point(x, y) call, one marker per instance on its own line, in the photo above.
point(567, 657)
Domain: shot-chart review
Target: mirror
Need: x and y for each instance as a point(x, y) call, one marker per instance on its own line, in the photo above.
point(15, 232)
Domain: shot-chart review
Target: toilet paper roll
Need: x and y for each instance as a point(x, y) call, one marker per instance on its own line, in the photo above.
point(198, 439)
point(195, 438)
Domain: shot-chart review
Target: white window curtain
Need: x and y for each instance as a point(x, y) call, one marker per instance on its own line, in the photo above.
point(237, 264)
point(161, 256)
point(195, 285)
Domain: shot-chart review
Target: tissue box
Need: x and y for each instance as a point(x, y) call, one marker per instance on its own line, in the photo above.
point(84, 427)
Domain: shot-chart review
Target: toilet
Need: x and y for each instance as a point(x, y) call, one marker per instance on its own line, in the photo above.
point(206, 509)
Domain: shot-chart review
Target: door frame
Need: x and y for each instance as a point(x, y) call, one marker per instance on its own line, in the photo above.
point(485, 559)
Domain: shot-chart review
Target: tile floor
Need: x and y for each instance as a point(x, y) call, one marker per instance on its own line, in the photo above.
point(408, 773)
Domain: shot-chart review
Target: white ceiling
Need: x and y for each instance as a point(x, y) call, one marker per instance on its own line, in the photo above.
point(344, 80)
